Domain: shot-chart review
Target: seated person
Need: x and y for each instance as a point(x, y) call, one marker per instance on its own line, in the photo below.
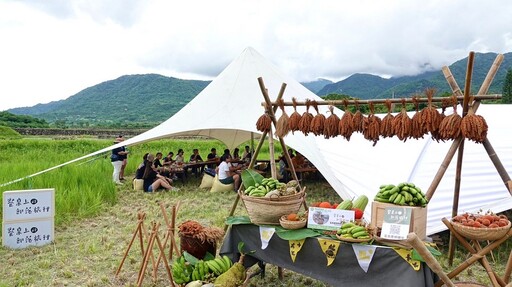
point(212, 156)
point(157, 163)
point(298, 161)
point(180, 159)
point(236, 157)
point(196, 157)
point(140, 170)
point(152, 179)
point(168, 160)
point(283, 174)
point(246, 156)
point(227, 172)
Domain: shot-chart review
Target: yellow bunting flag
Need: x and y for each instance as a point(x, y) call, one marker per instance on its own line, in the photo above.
point(364, 254)
point(295, 246)
point(265, 235)
point(407, 256)
point(330, 248)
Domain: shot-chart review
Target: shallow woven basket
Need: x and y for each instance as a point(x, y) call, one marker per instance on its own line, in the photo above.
point(479, 233)
point(264, 210)
point(288, 224)
point(354, 240)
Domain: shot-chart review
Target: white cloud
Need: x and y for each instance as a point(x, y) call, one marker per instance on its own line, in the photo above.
point(53, 49)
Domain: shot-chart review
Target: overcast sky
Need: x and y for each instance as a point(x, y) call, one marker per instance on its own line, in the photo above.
point(53, 49)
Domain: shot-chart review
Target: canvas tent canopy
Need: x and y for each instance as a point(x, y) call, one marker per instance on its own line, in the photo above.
point(229, 107)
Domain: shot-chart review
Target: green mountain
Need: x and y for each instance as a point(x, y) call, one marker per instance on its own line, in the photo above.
point(365, 86)
point(316, 86)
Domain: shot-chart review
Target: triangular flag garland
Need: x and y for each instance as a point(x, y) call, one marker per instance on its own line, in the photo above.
point(265, 235)
point(330, 248)
point(295, 247)
point(364, 254)
point(407, 256)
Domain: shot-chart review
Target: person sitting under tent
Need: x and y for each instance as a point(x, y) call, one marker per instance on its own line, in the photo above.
point(152, 179)
point(140, 169)
point(180, 159)
point(246, 156)
point(227, 173)
point(212, 156)
point(194, 158)
point(157, 163)
point(168, 160)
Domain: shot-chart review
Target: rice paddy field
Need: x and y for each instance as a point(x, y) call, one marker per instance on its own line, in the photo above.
point(95, 219)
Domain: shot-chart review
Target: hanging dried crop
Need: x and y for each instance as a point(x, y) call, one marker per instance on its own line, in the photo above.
point(436, 135)
point(317, 123)
point(386, 125)
point(430, 116)
point(346, 127)
point(294, 120)
point(282, 128)
point(331, 124)
point(264, 122)
point(402, 124)
point(418, 129)
point(194, 229)
point(449, 129)
point(474, 127)
point(357, 119)
point(371, 126)
point(305, 119)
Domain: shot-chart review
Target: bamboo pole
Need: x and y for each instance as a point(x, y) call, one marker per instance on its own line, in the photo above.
point(497, 163)
point(508, 269)
point(491, 74)
point(452, 83)
point(166, 263)
point(138, 230)
point(442, 169)
point(148, 254)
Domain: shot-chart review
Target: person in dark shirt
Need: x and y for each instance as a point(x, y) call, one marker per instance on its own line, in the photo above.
point(157, 163)
point(194, 158)
point(140, 170)
point(116, 158)
point(212, 156)
point(246, 156)
point(152, 179)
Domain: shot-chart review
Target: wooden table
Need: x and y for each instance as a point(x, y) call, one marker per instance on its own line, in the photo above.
point(301, 170)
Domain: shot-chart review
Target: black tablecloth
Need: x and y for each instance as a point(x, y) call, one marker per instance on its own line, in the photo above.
point(386, 269)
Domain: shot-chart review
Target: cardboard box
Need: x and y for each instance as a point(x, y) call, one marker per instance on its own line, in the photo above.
point(418, 221)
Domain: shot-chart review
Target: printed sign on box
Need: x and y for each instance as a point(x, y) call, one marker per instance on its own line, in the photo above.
point(28, 204)
point(396, 223)
point(21, 234)
point(328, 219)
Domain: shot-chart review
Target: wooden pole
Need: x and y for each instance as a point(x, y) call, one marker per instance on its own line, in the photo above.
point(491, 74)
point(497, 163)
point(166, 263)
point(138, 230)
point(149, 252)
point(508, 269)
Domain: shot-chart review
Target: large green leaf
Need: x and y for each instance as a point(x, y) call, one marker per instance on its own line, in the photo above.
point(234, 220)
point(251, 177)
point(296, 234)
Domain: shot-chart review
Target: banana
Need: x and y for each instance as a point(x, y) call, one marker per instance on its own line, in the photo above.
point(393, 190)
point(347, 225)
point(393, 196)
point(228, 261)
point(214, 266)
point(360, 233)
point(223, 264)
point(398, 199)
point(357, 229)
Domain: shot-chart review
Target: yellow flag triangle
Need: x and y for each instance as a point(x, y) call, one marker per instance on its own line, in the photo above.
point(295, 246)
point(406, 254)
point(330, 248)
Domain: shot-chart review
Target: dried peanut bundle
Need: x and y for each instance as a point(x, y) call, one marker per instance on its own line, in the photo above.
point(317, 123)
point(402, 124)
point(449, 128)
point(331, 124)
point(282, 128)
point(386, 125)
point(346, 127)
point(418, 129)
point(264, 123)
point(371, 126)
point(294, 120)
point(305, 119)
point(474, 127)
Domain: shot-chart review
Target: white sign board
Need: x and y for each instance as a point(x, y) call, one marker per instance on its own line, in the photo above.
point(396, 223)
point(21, 234)
point(28, 204)
point(328, 219)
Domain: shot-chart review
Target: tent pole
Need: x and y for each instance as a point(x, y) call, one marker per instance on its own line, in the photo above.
point(497, 163)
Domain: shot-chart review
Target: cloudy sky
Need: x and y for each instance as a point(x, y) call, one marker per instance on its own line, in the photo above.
point(53, 49)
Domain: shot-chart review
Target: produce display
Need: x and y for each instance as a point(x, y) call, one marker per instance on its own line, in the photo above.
point(353, 230)
point(203, 270)
point(405, 193)
point(271, 188)
point(488, 220)
point(358, 205)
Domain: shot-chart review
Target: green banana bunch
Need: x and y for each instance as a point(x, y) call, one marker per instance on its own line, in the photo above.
point(267, 185)
point(219, 265)
point(181, 272)
point(405, 193)
point(352, 230)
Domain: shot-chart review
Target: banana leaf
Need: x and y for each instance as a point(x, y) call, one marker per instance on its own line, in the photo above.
point(251, 177)
point(416, 256)
point(296, 234)
point(234, 220)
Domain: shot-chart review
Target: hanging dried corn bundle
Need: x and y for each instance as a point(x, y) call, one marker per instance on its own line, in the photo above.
point(294, 120)
point(402, 124)
point(317, 123)
point(305, 119)
point(357, 120)
point(418, 129)
point(430, 116)
point(331, 124)
point(436, 135)
point(474, 127)
point(264, 122)
point(371, 126)
point(282, 128)
point(449, 129)
point(346, 127)
point(386, 125)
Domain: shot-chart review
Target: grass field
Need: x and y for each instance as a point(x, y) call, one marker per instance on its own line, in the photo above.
point(96, 219)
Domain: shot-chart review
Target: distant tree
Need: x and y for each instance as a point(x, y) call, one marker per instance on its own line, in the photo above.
point(507, 88)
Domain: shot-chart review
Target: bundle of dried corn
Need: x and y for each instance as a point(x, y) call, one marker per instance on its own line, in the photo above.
point(430, 116)
point(449, 129)
point(264, 122)
point(305, 119)
point(331, 124)
point(474, 127)
point(294, 120)
point(402, 124)
point(357, 120)
point(282, 128)
point(317, 123)
point(346, 127)
point(386, 125)
point(371, 126)
point(418, 129)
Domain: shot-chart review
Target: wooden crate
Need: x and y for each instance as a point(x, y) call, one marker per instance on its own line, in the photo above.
point(418, 220)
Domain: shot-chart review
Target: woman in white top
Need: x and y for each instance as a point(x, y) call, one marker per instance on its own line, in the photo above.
point(179, 157)
point(227, 172)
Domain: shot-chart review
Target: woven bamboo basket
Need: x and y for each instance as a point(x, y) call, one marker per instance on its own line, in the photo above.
point(288, 224)
point(264, 210)
point(479, 233)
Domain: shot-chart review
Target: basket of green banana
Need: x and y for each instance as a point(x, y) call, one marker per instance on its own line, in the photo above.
point(405, 193)
point(202, 271)
point(354, 232)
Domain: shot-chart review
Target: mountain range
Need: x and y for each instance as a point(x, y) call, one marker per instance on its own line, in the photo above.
point(152, 98)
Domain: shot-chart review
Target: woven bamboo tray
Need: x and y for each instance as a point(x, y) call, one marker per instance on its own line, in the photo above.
point(479, 233)
point(262, 210)
point(288, 224)
point(354, 240)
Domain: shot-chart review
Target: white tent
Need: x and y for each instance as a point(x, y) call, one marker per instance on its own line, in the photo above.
point(228, 108)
